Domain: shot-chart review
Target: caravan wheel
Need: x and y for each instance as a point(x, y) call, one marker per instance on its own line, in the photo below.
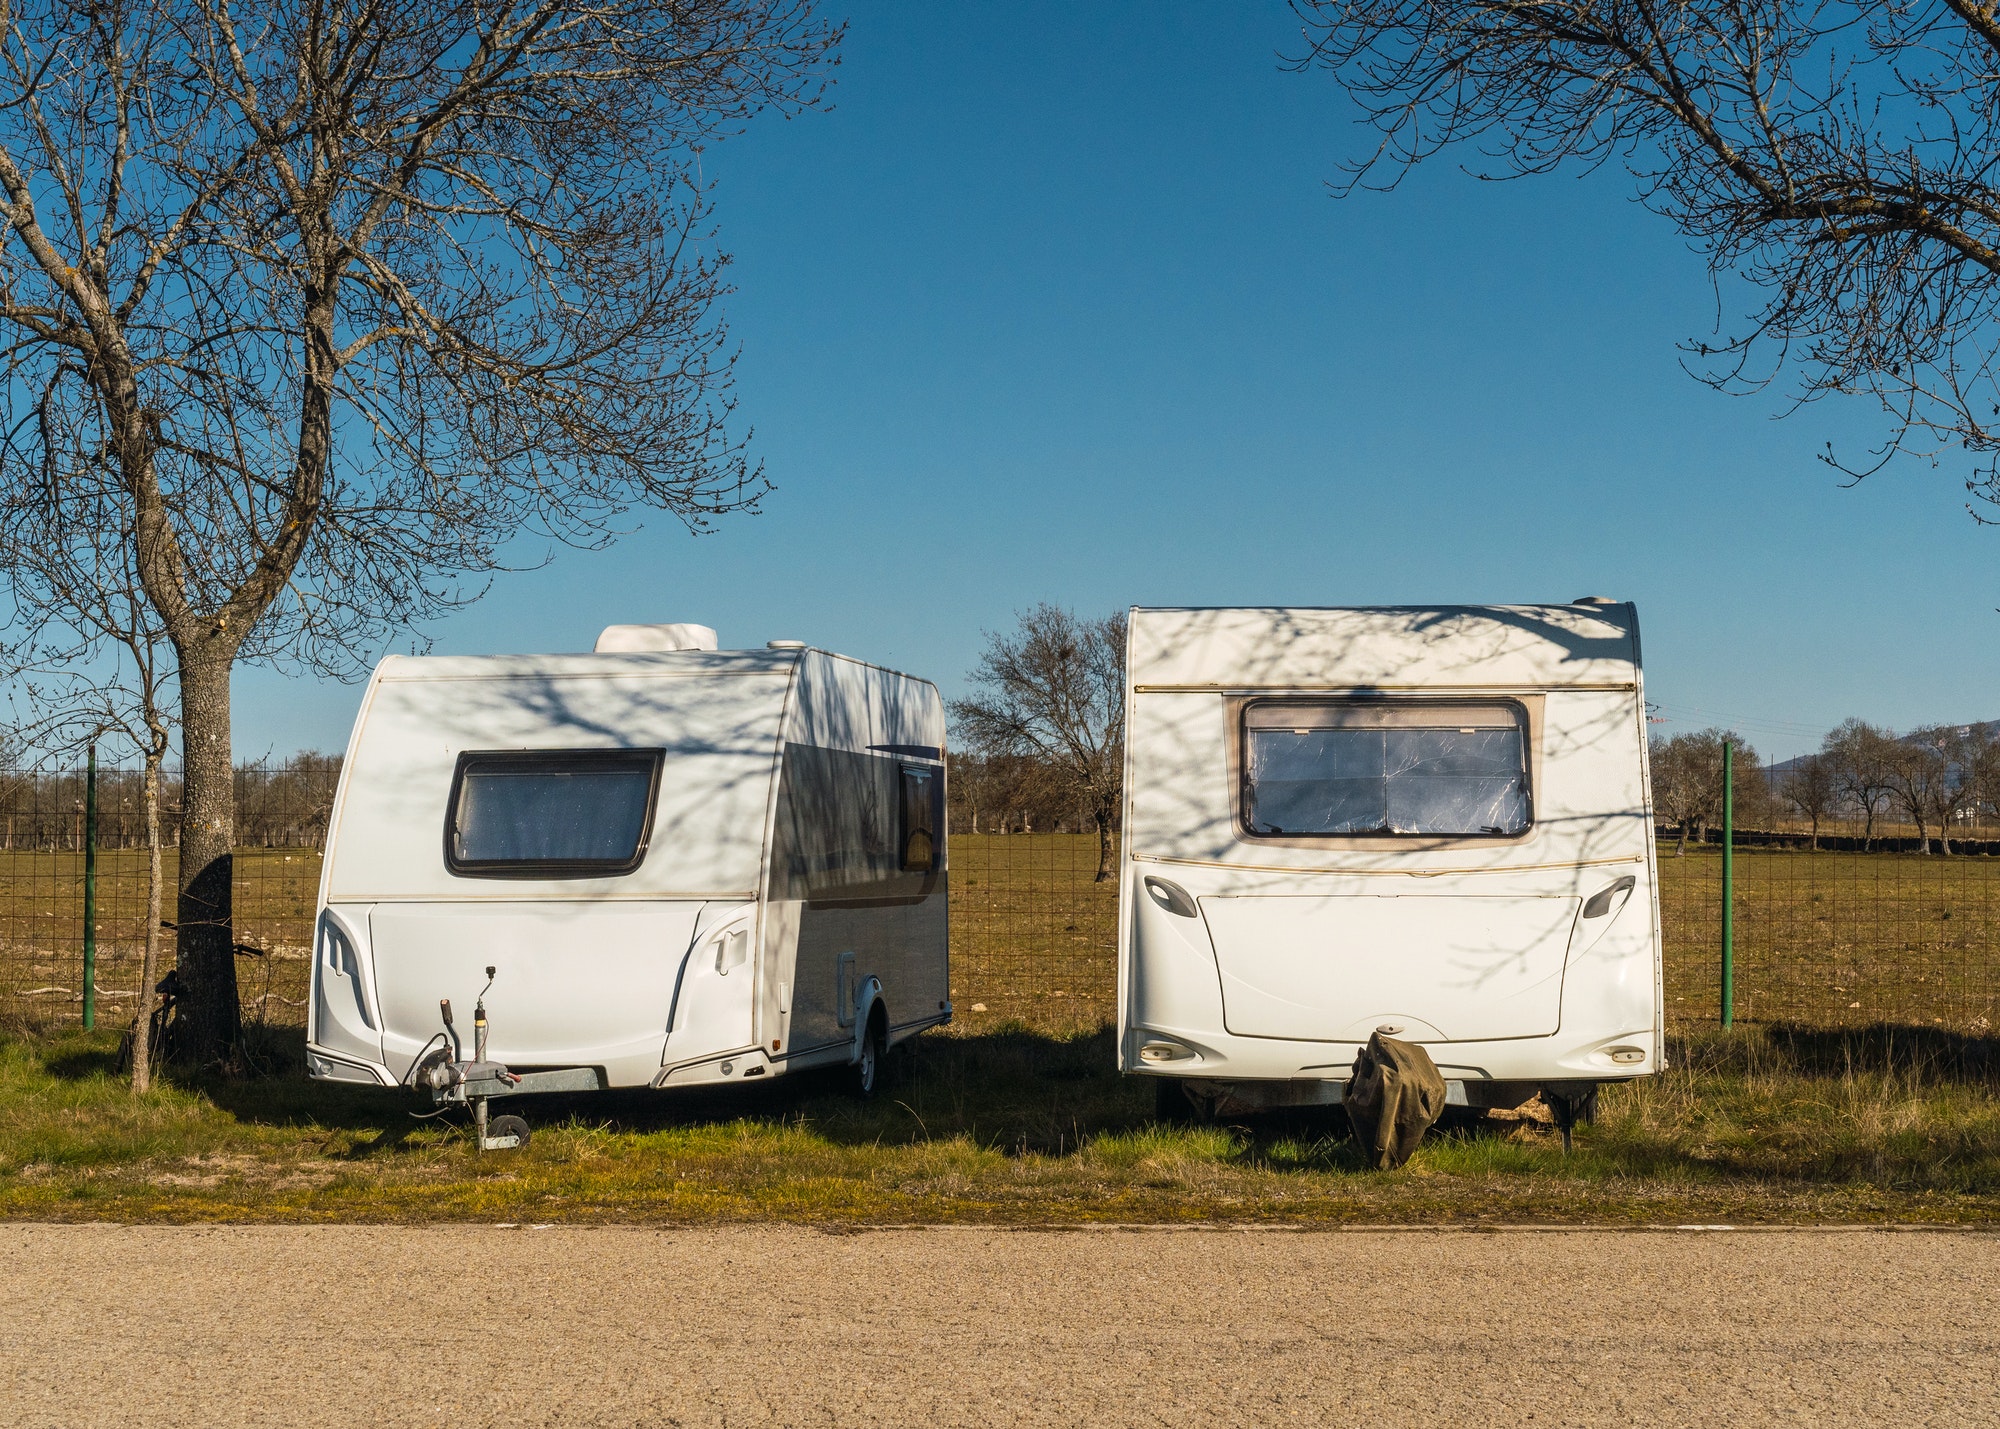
point(505, 1126)
point(868, 1069)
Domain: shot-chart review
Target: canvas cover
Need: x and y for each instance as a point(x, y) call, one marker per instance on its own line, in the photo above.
point(1393, 1097)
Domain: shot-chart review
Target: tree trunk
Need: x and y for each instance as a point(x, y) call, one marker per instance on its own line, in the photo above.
point(149, 965)
point(1102, 818)
point(1683, 851)
point(210, 1015)
point(1815, 833)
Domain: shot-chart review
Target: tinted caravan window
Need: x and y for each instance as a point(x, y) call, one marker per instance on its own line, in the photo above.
point(551, 814)
point(1331, 767)
point(919, 789)
point(856, 827)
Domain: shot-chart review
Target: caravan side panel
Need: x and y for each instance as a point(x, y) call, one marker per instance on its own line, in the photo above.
point(860, 744)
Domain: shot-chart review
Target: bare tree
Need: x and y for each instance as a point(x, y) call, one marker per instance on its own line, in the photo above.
point(1983, 770)
point(1954, 754)
point(1009, 790)
point(1809, 787)
point(1835, 156)
point(1687, 778)
point(353, 296)
point(89, 652)
point(1859, 754)
point(1054, 688)
point(1920, 778)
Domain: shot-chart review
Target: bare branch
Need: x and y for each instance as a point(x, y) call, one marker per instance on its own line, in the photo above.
point(1837, 156)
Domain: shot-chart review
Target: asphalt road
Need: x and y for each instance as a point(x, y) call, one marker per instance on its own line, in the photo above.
point(352, 1327)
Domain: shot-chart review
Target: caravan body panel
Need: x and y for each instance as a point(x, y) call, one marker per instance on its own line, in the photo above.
point(859, 742)
point(1429, 819)
point(599, 830)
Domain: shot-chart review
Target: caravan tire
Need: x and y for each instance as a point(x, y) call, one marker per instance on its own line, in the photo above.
point(869, 1067)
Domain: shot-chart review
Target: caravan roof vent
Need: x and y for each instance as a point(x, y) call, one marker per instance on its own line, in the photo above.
point(632, 639)
point(1596, 600)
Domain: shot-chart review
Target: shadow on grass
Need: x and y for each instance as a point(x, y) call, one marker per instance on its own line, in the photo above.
point(78, 1062)
point(1927, 1055)
point(1010, 1089)
point(1887, 1106)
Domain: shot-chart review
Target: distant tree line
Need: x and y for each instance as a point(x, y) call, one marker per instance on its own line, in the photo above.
point(1941, 780)
point(279, 805)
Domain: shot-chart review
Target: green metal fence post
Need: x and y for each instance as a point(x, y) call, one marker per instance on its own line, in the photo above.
point(90, 892)
point(1728, 887)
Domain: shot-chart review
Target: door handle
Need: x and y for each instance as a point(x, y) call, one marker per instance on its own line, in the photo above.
point(1171, 896)
point(1600, 903)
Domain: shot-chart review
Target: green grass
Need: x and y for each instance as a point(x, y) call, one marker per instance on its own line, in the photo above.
point(1014, 1127)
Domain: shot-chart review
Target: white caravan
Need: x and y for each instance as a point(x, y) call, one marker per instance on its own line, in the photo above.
point(1430, 822)
point(673, 865)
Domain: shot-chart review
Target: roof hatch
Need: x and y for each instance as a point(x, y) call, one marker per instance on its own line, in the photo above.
point(631, 639)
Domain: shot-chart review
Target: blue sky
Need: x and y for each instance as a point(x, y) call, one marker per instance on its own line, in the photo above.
point(1054, 305)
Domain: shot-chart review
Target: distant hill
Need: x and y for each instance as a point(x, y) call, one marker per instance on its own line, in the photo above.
point(1775, 772)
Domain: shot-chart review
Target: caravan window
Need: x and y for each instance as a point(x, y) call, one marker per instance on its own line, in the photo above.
point(856, 827)
point(571, 813)
point(1382, 767)
point(920, 801)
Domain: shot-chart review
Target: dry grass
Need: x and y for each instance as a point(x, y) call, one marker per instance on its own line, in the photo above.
point(1012, 1127)
point(1836, 939)
point(41, 932)
point(1034, 939)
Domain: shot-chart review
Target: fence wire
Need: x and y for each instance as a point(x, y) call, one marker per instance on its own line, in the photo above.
point(1829, 939)
point(281, 822)
point(1835, 939)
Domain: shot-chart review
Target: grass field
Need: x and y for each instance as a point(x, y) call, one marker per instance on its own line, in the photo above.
point(1827, 939)
point(41, 931)
point(1811, 1113)
point(1009, 1126)
point(1836, 939)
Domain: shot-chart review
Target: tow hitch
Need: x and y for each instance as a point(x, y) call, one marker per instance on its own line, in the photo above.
point(449, 1079)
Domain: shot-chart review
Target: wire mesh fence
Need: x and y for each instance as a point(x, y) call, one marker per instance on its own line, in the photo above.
point(1826, 939)
point(281, 821)
point(1834, 938)
point(1034, 936)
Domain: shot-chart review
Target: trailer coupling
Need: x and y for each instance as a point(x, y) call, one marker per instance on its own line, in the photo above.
point(475, 1081)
